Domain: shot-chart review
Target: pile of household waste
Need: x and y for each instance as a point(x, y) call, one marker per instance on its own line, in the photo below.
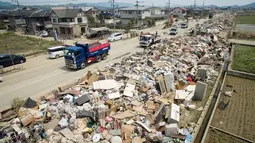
point(215, 25)
point(149, 96)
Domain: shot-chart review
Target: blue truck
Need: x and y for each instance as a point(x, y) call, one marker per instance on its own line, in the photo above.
point(78, 56)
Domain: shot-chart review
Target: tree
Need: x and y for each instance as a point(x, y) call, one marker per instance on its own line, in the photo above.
point(91, 19)
point(129, 25)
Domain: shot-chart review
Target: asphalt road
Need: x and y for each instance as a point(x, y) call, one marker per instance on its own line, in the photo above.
point(41, 75)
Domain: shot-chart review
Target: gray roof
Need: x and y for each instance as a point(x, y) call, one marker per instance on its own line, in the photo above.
point(62, 13)
point(41, 13)
point(86, 8)
point(134, 8)
point(24, 13)
point(158, 16)
point(156, 8)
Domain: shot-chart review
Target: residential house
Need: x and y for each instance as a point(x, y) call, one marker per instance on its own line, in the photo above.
point(17, 19)
point(4, 21)
point(117, 12)
point(69, 22)
point(134, 13)
point(106, 11)
point(92, 11)
point(39, 20)
point(178, 11)
point(157, 13)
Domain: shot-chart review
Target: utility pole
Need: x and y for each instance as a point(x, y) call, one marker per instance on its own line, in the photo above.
point(113, 5)
point(203, 8)
point(168, 5)
point(113, 12)
point(194, 8)
point(137, 6)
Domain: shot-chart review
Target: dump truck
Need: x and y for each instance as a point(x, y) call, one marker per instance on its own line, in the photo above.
point(147, 39)
point(78, 56)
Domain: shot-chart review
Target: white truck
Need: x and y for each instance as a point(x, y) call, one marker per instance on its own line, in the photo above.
point(148, 39)
point(173, 31)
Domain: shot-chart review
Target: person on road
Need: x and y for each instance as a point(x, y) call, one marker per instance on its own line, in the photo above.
point(141, 34)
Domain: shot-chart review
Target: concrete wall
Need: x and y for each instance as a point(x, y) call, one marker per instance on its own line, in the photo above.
point(206, 107)
point(125, 21)
point(146, 13)
point(161, 22)
point(77, 30)
point(241, 74)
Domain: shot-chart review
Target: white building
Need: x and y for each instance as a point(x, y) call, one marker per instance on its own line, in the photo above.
point(157, 11)
point(179, 11)
point(129, 13)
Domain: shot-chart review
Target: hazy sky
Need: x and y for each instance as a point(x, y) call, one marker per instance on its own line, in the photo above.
point(146, 2)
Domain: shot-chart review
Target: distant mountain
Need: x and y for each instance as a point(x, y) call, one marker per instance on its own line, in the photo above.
point(212, 6)
point(251, 5)
point(107, 4)
point(101, 5)
point(6, 5)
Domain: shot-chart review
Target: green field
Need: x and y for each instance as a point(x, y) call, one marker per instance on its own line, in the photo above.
point(244, 59)
point(23, 44)
point(245, 19)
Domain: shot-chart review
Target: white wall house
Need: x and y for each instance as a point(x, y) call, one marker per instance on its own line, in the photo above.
point(179, 11)
point(129, 13)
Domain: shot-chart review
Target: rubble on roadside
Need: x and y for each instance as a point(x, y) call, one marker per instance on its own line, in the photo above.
point(142, 98)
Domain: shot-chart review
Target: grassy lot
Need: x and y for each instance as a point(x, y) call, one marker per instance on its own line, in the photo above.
point(215, 136)
point(24, 44)
point(239, 116)
point(245, 19)
point(244, 59)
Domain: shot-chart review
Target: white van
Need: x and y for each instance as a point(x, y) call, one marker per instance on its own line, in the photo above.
point(56, 52)
point(115, 37)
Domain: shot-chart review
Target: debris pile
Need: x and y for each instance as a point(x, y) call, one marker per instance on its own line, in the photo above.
point(146, 97)
point(215, 25)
